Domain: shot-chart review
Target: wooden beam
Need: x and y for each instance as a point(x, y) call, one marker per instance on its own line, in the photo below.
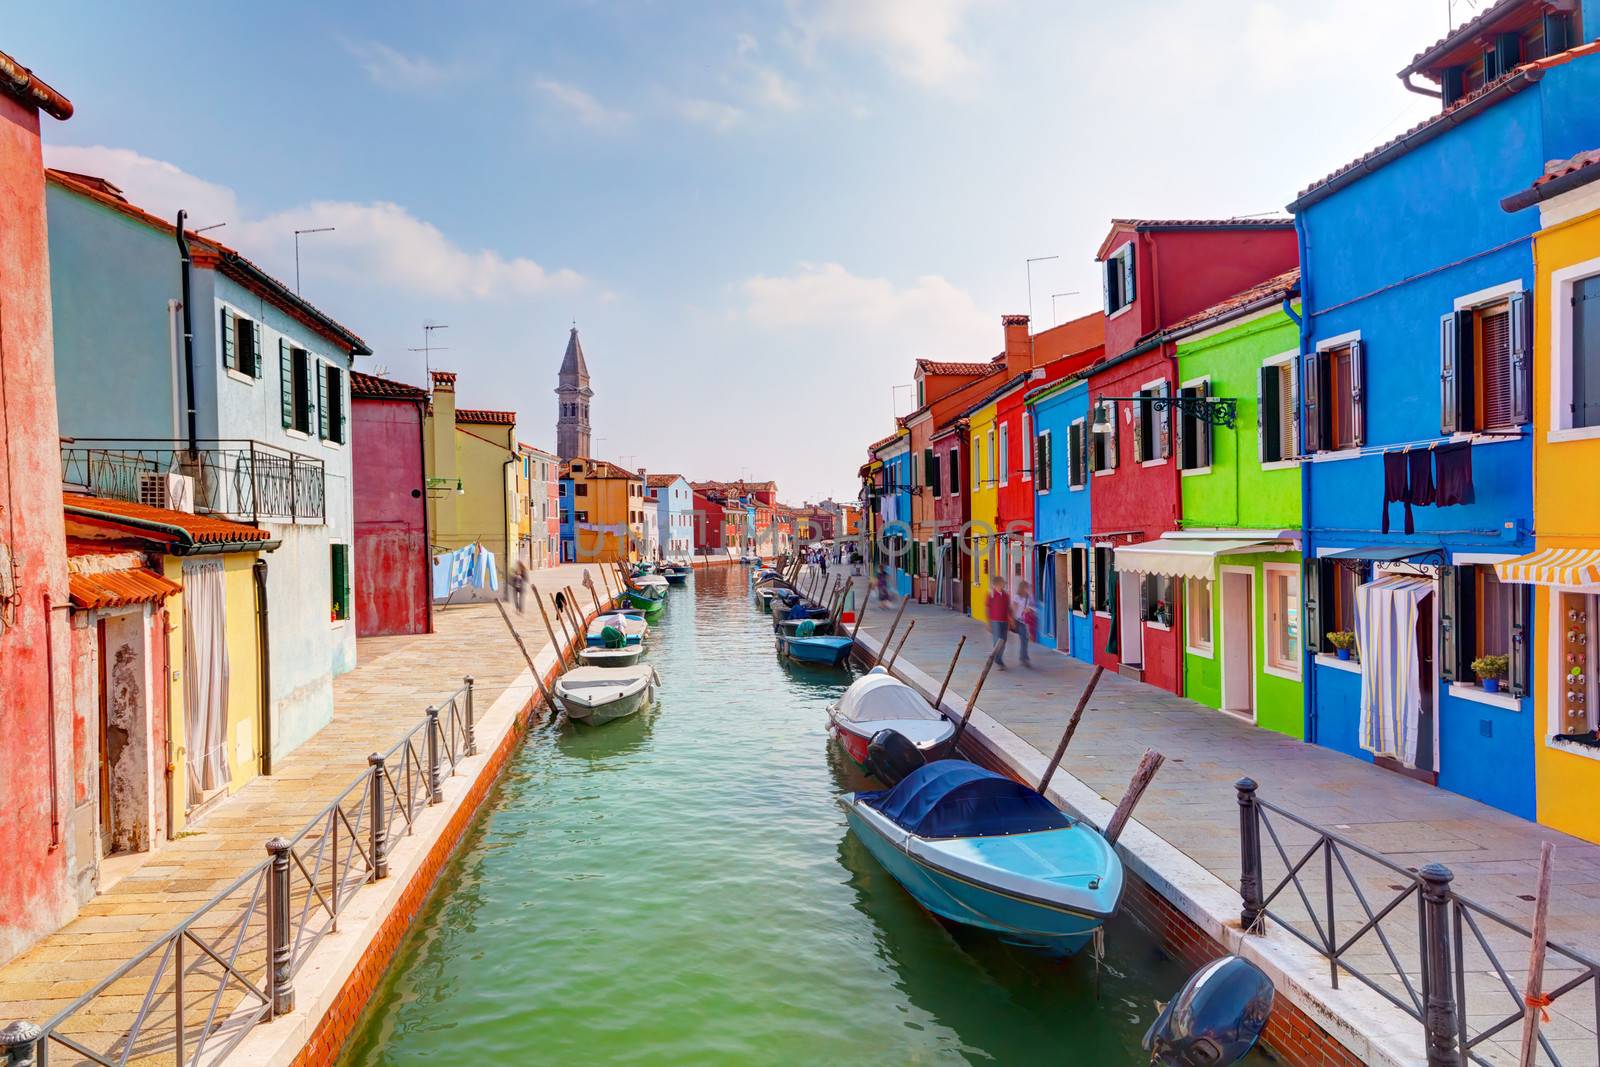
point(972, 701)
point(892, 628)
point(938, 700)
point(1533, 999)
point(1149, 763)
point(1072, 728)
point(532, 667)
point(902, 644)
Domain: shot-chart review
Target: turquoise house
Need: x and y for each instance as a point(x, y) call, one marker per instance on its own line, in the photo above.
point(1061, 513)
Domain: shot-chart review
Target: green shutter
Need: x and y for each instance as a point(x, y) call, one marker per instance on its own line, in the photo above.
point(1520, 640)
point(255, 350)
point(286, 372)
point(1268, 416)
point(1449, 615)
point(230, 354)
point(339, 565)
point(1311, 569)
point(322, 400)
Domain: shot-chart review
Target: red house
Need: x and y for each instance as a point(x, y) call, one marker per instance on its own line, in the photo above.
point(392, 561)
point(1156, 274)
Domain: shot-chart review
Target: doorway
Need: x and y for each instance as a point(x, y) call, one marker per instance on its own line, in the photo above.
point(1063, 601)
point(1130, 617)
point(1238, 641)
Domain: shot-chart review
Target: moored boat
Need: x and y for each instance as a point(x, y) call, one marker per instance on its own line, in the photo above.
point(643, 602)
point(600, 656)
point(820, 627)
point(977, 848)
point(676, 573)
point(598, 695)
point(816, 648)
point(630, 623)
point(879, 701)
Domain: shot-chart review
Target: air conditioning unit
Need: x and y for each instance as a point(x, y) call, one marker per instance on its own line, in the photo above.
point(175, 492)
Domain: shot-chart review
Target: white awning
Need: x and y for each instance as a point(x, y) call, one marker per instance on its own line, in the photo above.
point(1552, 566)
point(1188, 557)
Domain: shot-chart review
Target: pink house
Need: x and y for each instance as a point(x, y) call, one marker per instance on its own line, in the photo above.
point(392, 562)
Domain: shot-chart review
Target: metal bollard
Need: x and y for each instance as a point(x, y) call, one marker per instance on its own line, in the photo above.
point(472, 733)
point(20, 1044)
point(1439, 1018)
point(280, 973)
point(434, 780)
point(378, 820)
point(1250, 887)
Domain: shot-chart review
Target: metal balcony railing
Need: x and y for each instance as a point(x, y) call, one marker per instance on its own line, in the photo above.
point(250, 481)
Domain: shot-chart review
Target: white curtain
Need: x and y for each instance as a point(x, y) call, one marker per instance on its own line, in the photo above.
point(205, 665)
point(1391, 686)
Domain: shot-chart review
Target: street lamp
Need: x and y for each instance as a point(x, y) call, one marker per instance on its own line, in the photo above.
point(297, 233)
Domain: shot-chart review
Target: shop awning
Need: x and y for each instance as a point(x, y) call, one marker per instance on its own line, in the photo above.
point(1188, 557)
point(1552, 566)
point(1386, 553)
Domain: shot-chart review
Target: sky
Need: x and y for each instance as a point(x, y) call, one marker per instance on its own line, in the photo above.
point(759, 214)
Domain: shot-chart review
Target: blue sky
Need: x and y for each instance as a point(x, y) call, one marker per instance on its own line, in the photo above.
point(758, 213)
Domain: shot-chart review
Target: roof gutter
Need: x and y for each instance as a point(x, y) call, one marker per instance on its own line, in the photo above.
point(1513, 84)
point(187, 268)
point(1420, 90)
point(357, 346)
point(23, 84)
point(1554, 187)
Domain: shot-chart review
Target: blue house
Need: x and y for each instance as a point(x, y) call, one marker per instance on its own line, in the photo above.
point(892, 496)
point(1415, 400)
point(569, 534)
point(1061, 499)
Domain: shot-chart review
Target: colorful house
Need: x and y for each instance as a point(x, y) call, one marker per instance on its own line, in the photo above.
point(541, 474)
point(673, 498)
point(1564, 569)
point(1417, 411)
point(49, 804)
point(231, 397)
point(608, 511)
point(472, 461)
point(952, 503)
point(1156, 273)
point(983, 540)
point(1237, 553)
point(1061, 518)
point(892, 493)
point(393, 563)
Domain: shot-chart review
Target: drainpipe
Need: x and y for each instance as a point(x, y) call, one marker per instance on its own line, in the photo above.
point(505, 508)
point(166, 705)
point(188, 332)
point(427, 531)
point(1307, 549)
point(50, 713)
point(1420, 90)
point(264, 646)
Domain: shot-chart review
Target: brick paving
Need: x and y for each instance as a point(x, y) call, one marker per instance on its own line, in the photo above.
point(1494, 855)
point(374, 705)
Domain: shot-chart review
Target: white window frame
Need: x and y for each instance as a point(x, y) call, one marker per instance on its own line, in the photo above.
point(1337, 341)
point(1555, 668)
point(1291, 572)
point(1111, 434)
point(1123, 251)
point(1084, 435)
point(1045, 435)
point(1176, 439)
point(1002, 455)
point(990, 464)
point(1095, 546)
point(977, 464)
point(1292, 358)
point(1088, 562)
point(1205, 648)
point(1026, 427)
point(1155, 434)
point(1561, 284)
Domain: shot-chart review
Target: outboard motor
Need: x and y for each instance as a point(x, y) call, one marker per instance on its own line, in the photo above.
point(1216, 1017)
point(891, 756)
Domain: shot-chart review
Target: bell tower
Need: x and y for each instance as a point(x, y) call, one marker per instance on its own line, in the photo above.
point(572, 389)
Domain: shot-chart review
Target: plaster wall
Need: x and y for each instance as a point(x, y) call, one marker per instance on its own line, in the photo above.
point(1062, 517)
point(392, 565)
point(983, 504)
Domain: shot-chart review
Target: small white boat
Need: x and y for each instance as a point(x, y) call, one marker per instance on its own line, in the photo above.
point(652, 585)
point(879, 701)
point(596, 695)
point(599, 656)
point(634, 628)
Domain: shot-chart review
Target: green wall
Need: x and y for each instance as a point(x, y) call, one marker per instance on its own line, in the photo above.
point(1280, 703)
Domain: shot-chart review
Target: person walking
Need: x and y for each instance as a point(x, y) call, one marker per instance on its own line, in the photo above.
point(1026, 618)
point(998, 608)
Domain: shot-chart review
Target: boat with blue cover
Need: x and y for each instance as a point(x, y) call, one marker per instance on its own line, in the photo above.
point(977, 848)
point(676, 573)
point(808, 646)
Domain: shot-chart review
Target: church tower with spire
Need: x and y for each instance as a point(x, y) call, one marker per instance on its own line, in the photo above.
point(572, 387)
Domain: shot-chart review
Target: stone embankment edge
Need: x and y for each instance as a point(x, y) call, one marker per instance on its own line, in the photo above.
point(1196, 915)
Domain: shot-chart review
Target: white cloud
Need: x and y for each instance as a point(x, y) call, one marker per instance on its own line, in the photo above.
point(774, 90)
point(719, 116)
point(916, 38)
point(581, 104)
point(929, 316)
point(376, 245)
point(394, 69)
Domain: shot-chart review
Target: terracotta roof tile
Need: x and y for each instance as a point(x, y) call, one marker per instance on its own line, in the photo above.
point(1273, 222)
point(597, 468)
point(660, 481)
point(1461, 34)
point(486, 417)
point(115, 589)
point(1560, 168)
point(1281, 285)
point(372, 386)
point(179, 526)
point(936, 366)
point(25, 85)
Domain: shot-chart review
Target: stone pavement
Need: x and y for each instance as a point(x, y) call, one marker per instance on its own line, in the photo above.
point(1192, 805)
point(395, 679)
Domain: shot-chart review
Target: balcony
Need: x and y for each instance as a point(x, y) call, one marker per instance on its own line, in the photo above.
point(243, 480)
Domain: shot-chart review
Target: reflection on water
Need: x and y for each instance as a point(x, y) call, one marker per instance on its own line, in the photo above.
point(680, 888)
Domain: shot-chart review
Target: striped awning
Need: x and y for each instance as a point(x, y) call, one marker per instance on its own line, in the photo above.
point(1552, 566)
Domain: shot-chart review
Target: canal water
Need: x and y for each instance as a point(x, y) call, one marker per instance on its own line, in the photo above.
point(681, 888)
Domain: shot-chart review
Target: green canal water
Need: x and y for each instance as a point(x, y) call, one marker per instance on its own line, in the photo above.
point(681, 888)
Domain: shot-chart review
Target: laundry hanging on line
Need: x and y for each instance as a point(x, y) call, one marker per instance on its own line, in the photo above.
point(469, 565)
point(1409, 479)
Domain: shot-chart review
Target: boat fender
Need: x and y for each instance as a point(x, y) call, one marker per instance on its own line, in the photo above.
point(879, 669)
point(891, 756)
point(1215, 1019)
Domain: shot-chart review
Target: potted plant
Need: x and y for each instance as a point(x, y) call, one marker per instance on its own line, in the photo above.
point(1490, 669)
point(1342, 641)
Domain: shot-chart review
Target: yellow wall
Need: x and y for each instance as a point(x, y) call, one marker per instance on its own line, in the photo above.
point(985, 503)
point(476, 454)
point(244, 677)
point(1565, 515)
point(611, 505)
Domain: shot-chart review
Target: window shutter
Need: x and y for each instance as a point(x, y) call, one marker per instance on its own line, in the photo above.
point(1449, 613)
point(1091, 564)
point(230, 352)
point(1311, 389)
point(341, 426)
point(1269, 447)
point(1205, 430)
point(1105, 282)
point(1163, 417)
point(1449, 378)
point(322, 400)
point(1521, 357)
point(1074, 454)
point(255, 350)
point(1518, 675)
point(1113, 445)
point(1358, 392)
point(1127, 273)
point(1311, 569)
point(286, 380)
point(1144, 594)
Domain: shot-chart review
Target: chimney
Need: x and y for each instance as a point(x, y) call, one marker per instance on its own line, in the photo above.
point(1019, 346)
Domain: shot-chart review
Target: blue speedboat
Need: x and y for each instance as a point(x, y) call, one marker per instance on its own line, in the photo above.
point(980, 849)
point(831, 651)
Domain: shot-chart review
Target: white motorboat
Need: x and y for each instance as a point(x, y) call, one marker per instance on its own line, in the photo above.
point(631, 623)
point(879, 701)
point(600, 656)
point(596, 695)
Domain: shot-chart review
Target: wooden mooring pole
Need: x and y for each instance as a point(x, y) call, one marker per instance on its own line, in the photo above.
point(561, 657)
point(972, 701)
point(893, 626)
point(938, 700)
point(911, 626)
point(1149, 763)
point(1533, 998)
point(1072, 728)
point(533, 668)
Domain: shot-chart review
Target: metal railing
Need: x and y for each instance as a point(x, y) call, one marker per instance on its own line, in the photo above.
point(240, 479)
point(198, 990)
point(1443, 964)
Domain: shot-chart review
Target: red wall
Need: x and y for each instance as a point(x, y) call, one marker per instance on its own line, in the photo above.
point(392, 562)
point(37, 891)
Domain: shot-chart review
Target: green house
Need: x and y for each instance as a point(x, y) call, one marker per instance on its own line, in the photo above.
point(1243, 618)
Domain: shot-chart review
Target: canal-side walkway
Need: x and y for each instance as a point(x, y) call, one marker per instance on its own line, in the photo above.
point(1192, 807)
point(395, 679)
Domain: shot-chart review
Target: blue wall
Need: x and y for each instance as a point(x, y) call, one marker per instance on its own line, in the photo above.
point(1061, 516)
point(898, 471)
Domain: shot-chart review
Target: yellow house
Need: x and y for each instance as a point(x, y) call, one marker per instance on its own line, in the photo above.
point(1565, 568)
point(984, 541)
point(473, 465)
point(607, 510)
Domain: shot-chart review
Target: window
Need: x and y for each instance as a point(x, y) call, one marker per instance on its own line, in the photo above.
point(330, 403)
point(1197, 599)
point(1103, 437)
point(241, 344)
point(1151, 424)
point(1330, 601)
point(1583, 359)
point(1119, 279)
point(1077, 457)
point(1332, 380)
point(1027, 450)
point(1043, 458)
point(294, 365)
point(580, 516)
point(1478, 616)
point(1277, 404)
point(1283, 619)
point(989, 459)
point(1155, 599)
point(1002, 457)
point(920, 393)
point(930, 471)
point(1079, 577)
point(1101, 579)
point(1484, 366)
point(955, 472)
point(580, 488)
point(339, 571)
point(1194, 432)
